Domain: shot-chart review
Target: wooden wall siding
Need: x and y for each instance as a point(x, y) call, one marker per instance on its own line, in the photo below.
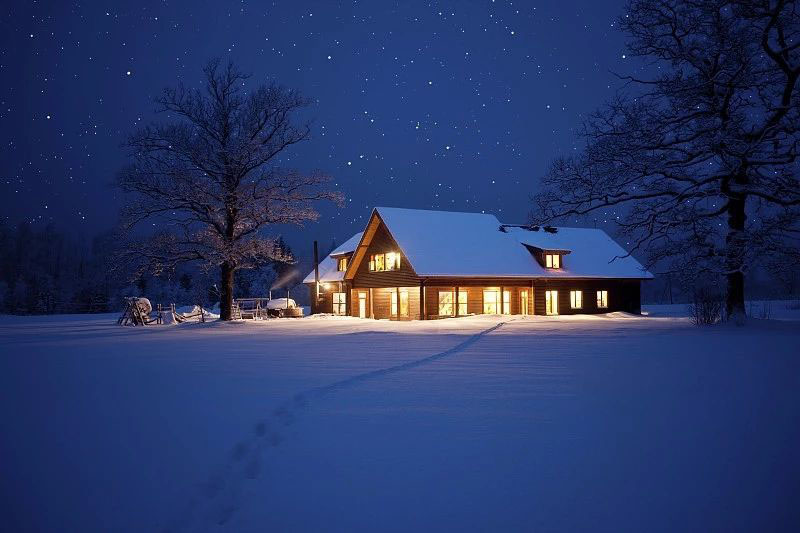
point(475, 298)
point(325, 304)
point(623, 295)
point(382, 242)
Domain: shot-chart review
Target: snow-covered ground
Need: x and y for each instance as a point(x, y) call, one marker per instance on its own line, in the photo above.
point(605, 423)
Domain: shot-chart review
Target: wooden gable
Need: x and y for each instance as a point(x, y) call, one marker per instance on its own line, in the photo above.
point(377, 239)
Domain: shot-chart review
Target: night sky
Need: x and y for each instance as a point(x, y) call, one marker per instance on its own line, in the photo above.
point(454, 105)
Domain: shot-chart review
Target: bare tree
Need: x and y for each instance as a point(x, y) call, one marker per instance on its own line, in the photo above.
point(699, 160)
point(209, 176)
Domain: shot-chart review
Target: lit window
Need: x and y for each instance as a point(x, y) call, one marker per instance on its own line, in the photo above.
point(523, 302)
point(576, 299)
point(552, 260)
point(392, 261)
point(462, 301)
point(339, 303)
point(491, 302)
point(382, 262)
point(403, 303)
point(602, 299)
point(446, 303)
point(506, 302)
point(342, 265)
point(551, 302)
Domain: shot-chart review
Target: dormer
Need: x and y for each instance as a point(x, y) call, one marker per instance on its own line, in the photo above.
point(549, 258)
point(342, 261)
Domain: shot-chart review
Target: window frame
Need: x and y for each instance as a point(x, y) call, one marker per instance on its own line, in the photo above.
point(495, 303)
point(552, 261)
point(550, 301)
point(573, 300)
point(452, 296)
point(602, 299)
point(381, 262)
point(462, 311)
point(341, 264)
point(339, 308)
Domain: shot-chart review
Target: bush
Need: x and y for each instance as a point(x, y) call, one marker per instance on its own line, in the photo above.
point(706, 307)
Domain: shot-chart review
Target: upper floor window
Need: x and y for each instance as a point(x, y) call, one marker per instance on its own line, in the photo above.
point(387, 261)
point(552, 260)
point(341, 264)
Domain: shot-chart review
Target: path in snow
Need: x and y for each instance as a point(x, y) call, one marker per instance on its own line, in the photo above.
point(220, 497)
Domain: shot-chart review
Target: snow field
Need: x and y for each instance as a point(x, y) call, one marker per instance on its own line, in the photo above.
point(340, 424)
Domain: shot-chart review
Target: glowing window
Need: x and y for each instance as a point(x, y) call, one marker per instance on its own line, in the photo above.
point(552, 260)
point(446, 303)
point(342, 264)
point(403, 303)
point(392, 261)
point(523, 302)
point(339, 303)
point(491, 302)
point(602, 299)
point(576, 299)
point(506, 303)
point(462, 301)
point(387, 261)
point(551, 302)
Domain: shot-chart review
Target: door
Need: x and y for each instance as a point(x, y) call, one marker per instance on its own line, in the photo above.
point(362, 305)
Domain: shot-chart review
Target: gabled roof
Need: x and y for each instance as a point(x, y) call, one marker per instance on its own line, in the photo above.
point(452, 244)
point(328, 266)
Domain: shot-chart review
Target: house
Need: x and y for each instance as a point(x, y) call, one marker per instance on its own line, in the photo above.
point(416, 264)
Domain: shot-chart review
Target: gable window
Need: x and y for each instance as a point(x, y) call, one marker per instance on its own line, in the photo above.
point(552, 260)
point(339, 303)
point(551, 302)
point(403, 303)
point(462, 301)
point(446, 303)
point(602, 299)
point(576, 299)
point(341, 265)
point(382, 262)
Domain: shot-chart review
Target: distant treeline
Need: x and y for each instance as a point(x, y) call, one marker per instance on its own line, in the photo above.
point(45, 271)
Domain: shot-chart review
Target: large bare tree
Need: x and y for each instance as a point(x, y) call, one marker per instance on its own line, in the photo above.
point(209, 177)
point(698, 159)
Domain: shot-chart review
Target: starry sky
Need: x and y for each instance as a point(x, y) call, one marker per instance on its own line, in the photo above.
point(456, 105)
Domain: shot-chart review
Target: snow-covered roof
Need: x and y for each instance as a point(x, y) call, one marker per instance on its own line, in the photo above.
point(328, 266)
point(593, 254)
point(447, 243)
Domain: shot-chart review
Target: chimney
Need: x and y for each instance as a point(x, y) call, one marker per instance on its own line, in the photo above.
point(316, 273)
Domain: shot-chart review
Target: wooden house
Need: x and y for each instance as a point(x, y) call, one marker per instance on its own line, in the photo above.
point(411, 264)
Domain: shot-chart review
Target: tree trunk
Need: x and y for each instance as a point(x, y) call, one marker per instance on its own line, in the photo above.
point(226, 292)
point(734, 241)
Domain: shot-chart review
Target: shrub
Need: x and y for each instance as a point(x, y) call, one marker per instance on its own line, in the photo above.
point(706, 307)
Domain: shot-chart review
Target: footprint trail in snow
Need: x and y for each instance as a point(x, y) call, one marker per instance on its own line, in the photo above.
point(218, 499)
